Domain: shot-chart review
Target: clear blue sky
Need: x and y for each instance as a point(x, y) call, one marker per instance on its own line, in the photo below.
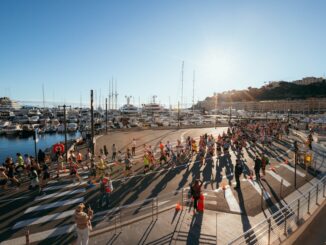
point(74, 46)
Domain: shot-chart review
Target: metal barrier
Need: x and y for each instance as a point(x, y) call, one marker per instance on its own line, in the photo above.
point(278, 226)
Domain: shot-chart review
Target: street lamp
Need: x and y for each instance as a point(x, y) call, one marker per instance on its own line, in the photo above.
point(215, 94)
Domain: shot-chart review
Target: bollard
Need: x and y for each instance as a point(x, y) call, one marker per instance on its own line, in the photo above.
point(298, 210)
point(182, 197)
point(27, 235)
point(269, 231)
point(306, 173)
point(308, 211)
point(281, 188)
point(324, 189)
point(317, 194)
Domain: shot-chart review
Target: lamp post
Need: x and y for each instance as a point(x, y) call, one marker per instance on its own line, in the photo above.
point(92, 123)
point(215, 108)
point(65, 126)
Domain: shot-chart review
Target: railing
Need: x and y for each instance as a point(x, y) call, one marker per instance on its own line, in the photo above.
point(278, 226)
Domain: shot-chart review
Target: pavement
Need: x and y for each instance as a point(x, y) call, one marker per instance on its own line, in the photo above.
point(49, 217)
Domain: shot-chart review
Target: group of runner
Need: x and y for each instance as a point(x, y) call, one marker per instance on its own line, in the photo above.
point(237, 136)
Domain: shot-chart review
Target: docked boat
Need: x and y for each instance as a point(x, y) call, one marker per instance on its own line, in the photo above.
point(152, 107)
point(3, 125)
point(72, 127)
point(34, 119)
point(12, 130)
point(129, 109)
point(27, 130)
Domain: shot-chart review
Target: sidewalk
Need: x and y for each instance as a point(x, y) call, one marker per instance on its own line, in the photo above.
point(183, 227)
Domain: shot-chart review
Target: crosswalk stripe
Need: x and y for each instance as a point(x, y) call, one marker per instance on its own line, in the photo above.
point(292, 169)
point(43, 219)
point(278, 178)
point(40, 235)
point(56, 187)
point(232, 202)
point(60, 194)
point(255, 185)
point(54, 205)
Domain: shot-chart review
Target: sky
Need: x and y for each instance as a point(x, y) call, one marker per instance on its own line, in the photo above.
point(73, 46)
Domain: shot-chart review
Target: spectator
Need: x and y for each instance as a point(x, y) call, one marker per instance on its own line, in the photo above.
point(83, 224)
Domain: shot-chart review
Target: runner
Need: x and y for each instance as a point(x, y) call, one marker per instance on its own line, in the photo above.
point(3, 178)
point(133, 147)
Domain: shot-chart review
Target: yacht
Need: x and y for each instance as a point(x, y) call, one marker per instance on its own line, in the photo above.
point(129, 109)
point(34, 112)
point(152, 107)
point(12, 130)
point(72, 127)
point(34, 119)
point(3, 125)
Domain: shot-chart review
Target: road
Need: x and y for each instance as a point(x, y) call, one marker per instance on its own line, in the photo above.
point(49, 217)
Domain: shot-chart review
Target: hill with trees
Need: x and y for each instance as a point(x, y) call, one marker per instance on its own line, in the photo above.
point(273, 91)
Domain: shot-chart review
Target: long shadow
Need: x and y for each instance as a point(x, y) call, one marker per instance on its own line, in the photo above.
point(250, 236)
point(195, 229)
point(160, 186)
point(147, 232)
point(208, 171)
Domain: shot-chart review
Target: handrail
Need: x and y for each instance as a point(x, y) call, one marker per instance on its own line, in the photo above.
point(288, 206)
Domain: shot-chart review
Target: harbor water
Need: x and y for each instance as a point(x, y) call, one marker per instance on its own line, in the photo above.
point(9, 146)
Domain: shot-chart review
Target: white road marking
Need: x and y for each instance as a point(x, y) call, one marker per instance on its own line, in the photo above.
point(60, 194)
point(292, 169)
point(56, 187)
point(40, 235)
point(43, 219)
point(278, 178)
point(54, 205)
point(255, 185)
point(232, 202)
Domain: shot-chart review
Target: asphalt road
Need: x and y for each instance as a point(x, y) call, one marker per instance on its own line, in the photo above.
point(49, 217)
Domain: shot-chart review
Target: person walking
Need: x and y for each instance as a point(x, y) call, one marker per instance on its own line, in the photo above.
point(238, 169)
point(83, 224)
point(257, 168)
point(114, 152)
point(195, 192)
point(133, 147)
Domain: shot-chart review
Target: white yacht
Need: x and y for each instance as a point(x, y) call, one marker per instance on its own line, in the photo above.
point(72, 127)
point(12, 130)
point(129, 109)
point(152, 107)
point(34, 119)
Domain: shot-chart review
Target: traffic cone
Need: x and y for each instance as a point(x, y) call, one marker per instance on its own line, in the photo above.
point(178, 207)
point(250, 175)
point(273, 169)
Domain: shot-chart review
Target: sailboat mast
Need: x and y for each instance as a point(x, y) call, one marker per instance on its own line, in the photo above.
point(193, 93)
point(43, 95)
point(182, 83)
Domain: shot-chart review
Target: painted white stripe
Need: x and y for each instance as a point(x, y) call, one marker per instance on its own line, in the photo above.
point(43, 219)
point(40, 235)
point(292, 169)
point(278, 178)
point(60, 194)
point(54, 205)
point(56, 187)
point(232, 202)
point(255, 185)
